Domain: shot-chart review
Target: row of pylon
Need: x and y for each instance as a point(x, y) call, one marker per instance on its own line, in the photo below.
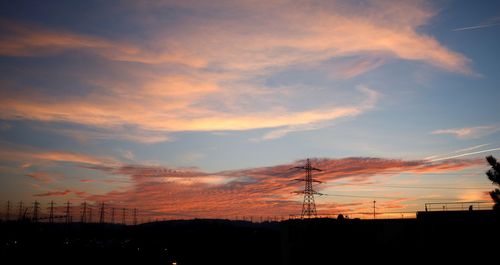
point(33, 213)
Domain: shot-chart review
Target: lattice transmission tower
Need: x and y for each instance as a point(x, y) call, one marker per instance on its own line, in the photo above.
point(308, 206)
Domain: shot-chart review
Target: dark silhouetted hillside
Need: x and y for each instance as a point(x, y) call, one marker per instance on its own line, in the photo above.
point(315, 241)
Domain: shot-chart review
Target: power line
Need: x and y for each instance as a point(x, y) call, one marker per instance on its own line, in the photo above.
point(90, 214)
point(113, 215)
point(51, 212)
point(83, 217)
point(68, 212)
point(8, 211)
point(21, 210)
point(101, 214)
point(123, 216)
point(389, 197)
point(358, 196)
point(410, 187)
point(36, 205)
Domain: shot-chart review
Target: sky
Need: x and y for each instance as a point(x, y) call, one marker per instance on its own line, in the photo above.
point(194, 109)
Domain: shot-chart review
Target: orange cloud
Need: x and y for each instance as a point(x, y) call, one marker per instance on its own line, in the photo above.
point(70, 157)
point(156, 114)
point(41, 176)
point(281, 33)
point(87, 180)
point(470, 132)
point(24, 40)
point(29, 156)
point(53, 193)
point(216, 56)
point(266, 191)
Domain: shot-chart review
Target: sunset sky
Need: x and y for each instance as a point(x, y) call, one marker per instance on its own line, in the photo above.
point(200, 108)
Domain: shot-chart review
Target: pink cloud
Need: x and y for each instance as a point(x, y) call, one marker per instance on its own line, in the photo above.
point(53, 193)
point(24, 40)
point(41, 176)
point(62, 193)
point(29, 156)
point(267, 38)
point(87, 180)
point(470, 132)
point(265, 191)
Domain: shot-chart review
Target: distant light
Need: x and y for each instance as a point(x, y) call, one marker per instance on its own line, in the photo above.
point(174, 263)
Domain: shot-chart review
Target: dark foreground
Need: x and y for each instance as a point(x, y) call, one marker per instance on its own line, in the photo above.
point(433, 235)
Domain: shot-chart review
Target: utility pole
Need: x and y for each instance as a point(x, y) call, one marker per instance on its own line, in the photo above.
point(374, 209)
point(36, 205)
point(83, 218)
point(135, 216)
point(90, 214)
point(308, 206)
point(8, 211)
point(68, 212)
point(112, 215)
point(101, 214)
point(123, 215)
point(21, 210)
point(51, 212)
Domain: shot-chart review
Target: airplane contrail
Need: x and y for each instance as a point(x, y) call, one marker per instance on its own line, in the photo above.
point(457, 151)
point(477, 27)
point(466, 154)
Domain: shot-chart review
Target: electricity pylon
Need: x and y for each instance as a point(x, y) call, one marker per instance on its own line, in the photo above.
point(308, 206)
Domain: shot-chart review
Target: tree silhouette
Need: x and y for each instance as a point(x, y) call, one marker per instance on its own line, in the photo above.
point(494, 175)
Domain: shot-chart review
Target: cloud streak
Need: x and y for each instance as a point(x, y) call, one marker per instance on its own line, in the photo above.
point(53, 193)
point(265, 191)
point(30, 157)
point(28, 40)
point(470, 132)
point(369, 102)
point(41, 176)
point(141, 114)
point(206, 73)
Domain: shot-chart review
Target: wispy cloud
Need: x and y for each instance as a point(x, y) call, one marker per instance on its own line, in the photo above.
point(151, 115)
point(61, 193)
point(280, 132)
point(85, 135)
point(27, 40)
point(41, 176)
point(53, 193)
point(71, 157)
point(367, 104)
point(355, 67)
point(474, 196)
point(29, 157)
point(470, 132)
point(213, 61)
point(254, 191)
